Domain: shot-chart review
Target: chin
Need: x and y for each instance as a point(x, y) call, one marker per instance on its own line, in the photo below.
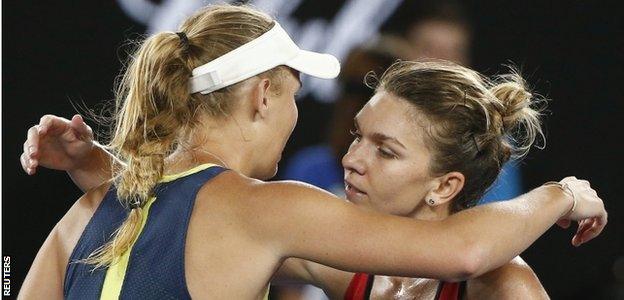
point(273, 173)
point(363, 203)
point(269, 173)
point(353, 199)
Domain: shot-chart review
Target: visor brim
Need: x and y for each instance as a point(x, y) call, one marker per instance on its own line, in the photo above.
point(315, 64)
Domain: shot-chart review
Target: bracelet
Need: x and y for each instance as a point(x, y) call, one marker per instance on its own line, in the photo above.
point(566, 188)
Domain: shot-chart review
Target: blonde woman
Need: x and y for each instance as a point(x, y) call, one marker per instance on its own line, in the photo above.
point(203, 116)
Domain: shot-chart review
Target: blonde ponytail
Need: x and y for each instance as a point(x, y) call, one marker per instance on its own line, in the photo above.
point(151, 107)
point(154, 109)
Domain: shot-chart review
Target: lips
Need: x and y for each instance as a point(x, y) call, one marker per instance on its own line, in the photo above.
point(352, 190)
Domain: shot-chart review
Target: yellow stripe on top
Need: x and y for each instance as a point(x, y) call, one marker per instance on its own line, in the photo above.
point(173, 177)
point(116, 273)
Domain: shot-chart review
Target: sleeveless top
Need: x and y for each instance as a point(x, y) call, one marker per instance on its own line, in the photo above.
point(362, 284)
point(153, 267)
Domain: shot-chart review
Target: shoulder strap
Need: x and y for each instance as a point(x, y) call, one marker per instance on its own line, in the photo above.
point(450, 290)
point(359, 287)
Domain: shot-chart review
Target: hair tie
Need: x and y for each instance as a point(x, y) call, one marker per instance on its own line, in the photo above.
point(184, 41)
point(134, 204)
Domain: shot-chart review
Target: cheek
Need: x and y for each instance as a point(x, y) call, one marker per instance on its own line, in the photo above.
point(294, 115)
point(396, 189)
point(383, 179)
point(287, 121)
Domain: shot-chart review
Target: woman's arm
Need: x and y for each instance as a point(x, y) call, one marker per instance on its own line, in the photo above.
point(68, 145)
point(423, 248)
point(46, 275)
point(514, 280)
point(301, 221)
point(334, 282)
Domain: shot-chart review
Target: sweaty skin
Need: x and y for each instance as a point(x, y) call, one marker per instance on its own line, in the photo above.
point(388, 162)
point(253, 226)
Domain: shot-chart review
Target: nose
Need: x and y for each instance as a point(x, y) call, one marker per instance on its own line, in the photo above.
point(353, 161)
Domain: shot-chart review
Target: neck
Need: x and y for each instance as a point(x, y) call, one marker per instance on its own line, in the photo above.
point(431, 213)
point(222, 142)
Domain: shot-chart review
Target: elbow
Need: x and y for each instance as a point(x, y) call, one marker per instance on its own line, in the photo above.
point(472, 261)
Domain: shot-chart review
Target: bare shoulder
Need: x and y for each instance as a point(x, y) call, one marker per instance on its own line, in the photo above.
point(71, 226)
point(267, 211)
point(285, 201)
point(293, 195)
point(258, 194)
point(513, 280)
point(46, 275)
point(283, 188)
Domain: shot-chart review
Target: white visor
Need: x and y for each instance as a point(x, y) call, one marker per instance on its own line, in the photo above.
point(271, 49)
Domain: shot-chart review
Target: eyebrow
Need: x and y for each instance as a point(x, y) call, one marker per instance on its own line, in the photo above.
point(379, 136)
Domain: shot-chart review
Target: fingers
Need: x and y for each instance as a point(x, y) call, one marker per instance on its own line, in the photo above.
point(589, 229)
point(31, 145)
point(83, 131)
point(594, 193)
point(52, 124)
point(29, 156)
point(577, 239)
point(29, 165)
point(26, 166)
point(44, 123)
point(594, 228)
point(568, 179)
point(590, 211)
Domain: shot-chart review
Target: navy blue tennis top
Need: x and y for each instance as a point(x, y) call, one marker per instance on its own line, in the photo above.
point(153, 268)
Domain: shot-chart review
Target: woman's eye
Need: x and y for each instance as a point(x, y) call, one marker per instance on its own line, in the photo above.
point(385, 153)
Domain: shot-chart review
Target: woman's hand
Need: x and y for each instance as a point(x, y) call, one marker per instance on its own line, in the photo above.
point(587, 209)
point(57, 143)
point(68, 145)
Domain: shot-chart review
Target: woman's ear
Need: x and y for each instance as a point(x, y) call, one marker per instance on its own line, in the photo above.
point(449, 185)
point(260, 96)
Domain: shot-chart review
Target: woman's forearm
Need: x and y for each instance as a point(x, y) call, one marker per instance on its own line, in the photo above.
point(95, 170)
point(465, 245)
point(497, 232)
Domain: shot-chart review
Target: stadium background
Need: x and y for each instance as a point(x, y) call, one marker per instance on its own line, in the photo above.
point(56, 53)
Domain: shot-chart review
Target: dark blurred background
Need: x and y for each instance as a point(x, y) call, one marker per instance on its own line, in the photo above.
point(58, 54)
